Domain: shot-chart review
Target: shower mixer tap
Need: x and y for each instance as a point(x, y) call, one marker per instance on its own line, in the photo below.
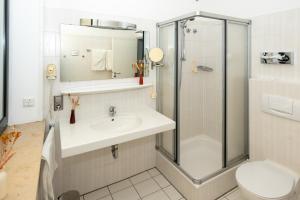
point(112, 111)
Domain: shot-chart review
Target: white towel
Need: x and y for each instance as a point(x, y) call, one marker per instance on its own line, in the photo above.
point(98, 60)
point(50, 165)
point(109, 60)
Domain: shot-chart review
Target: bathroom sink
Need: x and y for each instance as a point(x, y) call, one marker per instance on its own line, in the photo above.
point(96, 132)
point(117, 124)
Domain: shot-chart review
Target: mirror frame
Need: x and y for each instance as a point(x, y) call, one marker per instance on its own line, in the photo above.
point(4, 120)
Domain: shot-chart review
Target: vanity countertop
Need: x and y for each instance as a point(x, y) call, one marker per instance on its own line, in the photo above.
point(98, 132)
point(24, 167)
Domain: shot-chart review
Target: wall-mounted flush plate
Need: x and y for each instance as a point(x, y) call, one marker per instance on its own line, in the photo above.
point(58, 103)
point(280, 58)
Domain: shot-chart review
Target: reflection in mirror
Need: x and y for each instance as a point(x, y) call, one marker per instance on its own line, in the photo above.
point(89, 53)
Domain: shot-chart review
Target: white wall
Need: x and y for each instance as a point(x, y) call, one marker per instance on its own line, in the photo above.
point(25, 36)
point(25, 57)
point(164, 9)
point(273, 137)
point(276, 32)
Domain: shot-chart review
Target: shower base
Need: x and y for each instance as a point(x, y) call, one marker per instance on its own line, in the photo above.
point(200, 156)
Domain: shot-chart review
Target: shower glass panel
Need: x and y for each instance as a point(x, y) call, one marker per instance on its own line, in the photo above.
point(203, 86)
point(237, 92)
point(166, 78)
point(201, 96)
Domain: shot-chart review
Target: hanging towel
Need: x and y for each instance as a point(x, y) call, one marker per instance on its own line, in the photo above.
point(98, 58)
point(50, 165)
point(109, 60)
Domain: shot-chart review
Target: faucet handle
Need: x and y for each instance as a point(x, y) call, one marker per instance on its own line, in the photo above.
point(112, 108)
point(112, 111)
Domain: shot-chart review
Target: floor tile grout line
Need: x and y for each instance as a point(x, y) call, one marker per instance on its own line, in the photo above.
point(182, 196)
point(159, 184)
point(133, 185)
point(122, 188)
point(94, 190)
point(135, 189)
point(142, 180)
point(230, 192)
point(166, 193)
point(155, 175)
point(151, 192)
point(110, 193)
point(105, 197)
point(119, 181)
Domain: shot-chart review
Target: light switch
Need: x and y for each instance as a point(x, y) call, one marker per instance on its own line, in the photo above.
point(28, 102)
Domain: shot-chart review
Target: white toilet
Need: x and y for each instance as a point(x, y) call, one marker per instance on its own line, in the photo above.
point(266, 180)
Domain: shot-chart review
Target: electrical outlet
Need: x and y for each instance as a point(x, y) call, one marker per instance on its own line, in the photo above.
point(28, 102)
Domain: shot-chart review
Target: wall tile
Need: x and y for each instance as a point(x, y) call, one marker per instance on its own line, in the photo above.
point(276, 32)
point(273, 137)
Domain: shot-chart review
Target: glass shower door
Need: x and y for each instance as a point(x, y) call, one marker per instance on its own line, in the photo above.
point(166, 87)
point(201, 96)
point(237, 92)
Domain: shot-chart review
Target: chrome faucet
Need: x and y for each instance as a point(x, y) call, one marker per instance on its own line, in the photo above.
point(112, 111)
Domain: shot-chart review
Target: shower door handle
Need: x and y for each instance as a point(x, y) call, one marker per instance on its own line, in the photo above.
point(205, 68)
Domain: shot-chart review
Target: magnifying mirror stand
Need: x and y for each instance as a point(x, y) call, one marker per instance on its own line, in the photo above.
point(153, 64)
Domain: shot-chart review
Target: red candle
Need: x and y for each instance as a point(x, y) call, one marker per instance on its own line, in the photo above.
point(141, 81)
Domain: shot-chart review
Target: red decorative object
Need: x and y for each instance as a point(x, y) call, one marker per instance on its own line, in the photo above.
point(141, 81)
point(72, 118)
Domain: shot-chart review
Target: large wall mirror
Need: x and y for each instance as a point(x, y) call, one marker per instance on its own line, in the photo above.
point(3, 63)
point(90, 53)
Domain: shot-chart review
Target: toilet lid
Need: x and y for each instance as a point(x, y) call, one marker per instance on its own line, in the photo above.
point(265, 179)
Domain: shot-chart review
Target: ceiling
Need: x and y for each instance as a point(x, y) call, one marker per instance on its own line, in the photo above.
point(164, 9)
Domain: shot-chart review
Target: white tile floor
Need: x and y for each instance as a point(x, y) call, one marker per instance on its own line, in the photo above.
point(149, 185)
point(233, 195)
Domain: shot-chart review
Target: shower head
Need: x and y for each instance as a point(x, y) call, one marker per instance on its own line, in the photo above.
point(183, 23)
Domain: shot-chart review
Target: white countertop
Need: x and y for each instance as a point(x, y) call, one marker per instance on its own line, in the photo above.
point(80, 137)
point(103, 88)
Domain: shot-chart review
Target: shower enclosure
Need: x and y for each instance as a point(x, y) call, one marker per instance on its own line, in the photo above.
point(203, 86)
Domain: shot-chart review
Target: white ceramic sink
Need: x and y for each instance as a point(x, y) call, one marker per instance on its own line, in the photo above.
point(117, 124)
point(92, 133)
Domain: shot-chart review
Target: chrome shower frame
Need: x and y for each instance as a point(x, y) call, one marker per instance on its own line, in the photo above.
point(180, 56)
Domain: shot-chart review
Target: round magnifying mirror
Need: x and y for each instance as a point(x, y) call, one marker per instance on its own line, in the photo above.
point(156, 55)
